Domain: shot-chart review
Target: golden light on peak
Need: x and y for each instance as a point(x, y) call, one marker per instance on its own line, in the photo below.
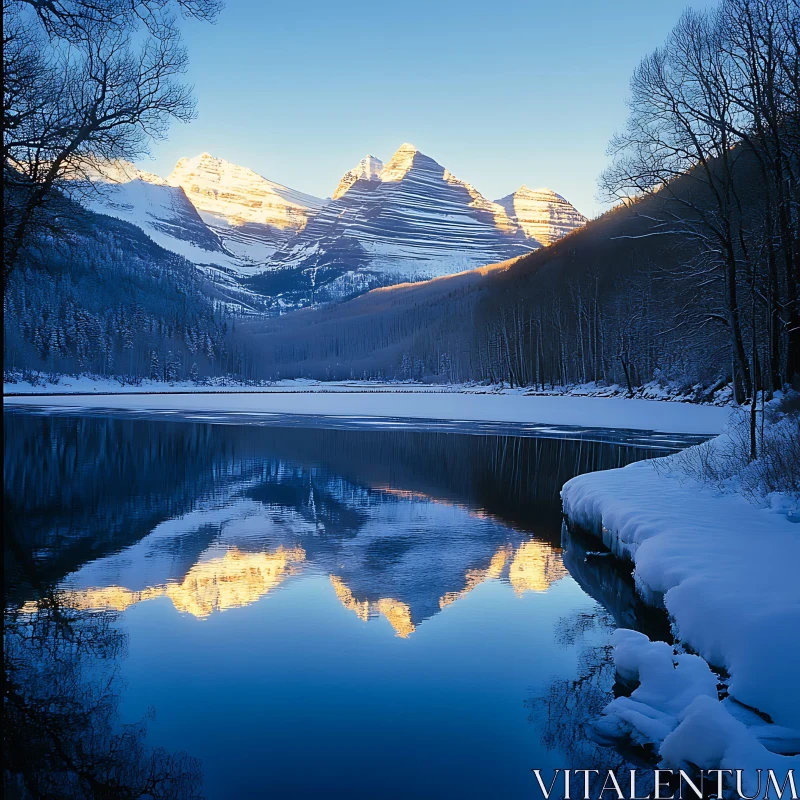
point(399, 616)
point(359, 607)
point(474, 577)
point(232, 581)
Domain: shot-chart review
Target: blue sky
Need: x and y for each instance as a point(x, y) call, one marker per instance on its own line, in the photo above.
point(499, 93)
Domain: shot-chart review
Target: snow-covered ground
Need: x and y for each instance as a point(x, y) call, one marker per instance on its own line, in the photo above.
point(363, 399)
point(727, 572)
point(675, 707)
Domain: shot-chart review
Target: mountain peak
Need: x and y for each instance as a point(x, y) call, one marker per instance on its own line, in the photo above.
point(368, 169)
point(240, 195)
point(542, 214)
point(400, 163)
point(118, 172)
point(543, 193)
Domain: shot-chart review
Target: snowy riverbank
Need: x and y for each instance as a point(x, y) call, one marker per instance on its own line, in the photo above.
point(726, 570)
point(380, 401)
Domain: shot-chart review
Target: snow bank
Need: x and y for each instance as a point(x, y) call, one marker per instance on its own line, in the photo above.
point(727, 572)
point(675, 708)
point(397, 401)
point(725, 569)
point(658, 389)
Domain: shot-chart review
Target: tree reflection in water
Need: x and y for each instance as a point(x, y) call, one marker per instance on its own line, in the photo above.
point(566, 711)
point(83, 489)
point(63, 736)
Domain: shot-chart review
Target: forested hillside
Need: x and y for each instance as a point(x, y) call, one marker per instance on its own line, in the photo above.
point(103, 298)
point(692, 278)
point(86, 83)
point(409, 331)
point(586, 308)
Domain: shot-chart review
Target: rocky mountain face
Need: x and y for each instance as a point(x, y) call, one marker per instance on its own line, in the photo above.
point(275, 248)
point(368, 169)
point(542, 214)
point(171, 220)
point(251, 215)
point(411, 220)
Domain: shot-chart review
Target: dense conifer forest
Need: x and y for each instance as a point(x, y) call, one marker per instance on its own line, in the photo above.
point(104, 299)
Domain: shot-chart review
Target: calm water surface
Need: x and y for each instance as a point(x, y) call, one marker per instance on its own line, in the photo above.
point(310, 611)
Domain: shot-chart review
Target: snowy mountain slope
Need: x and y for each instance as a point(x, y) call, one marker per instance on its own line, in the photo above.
point(169, 219)
point(162, 211)
point(251, 215)
point(411, 221)
point(541, 213)
point(227, 254)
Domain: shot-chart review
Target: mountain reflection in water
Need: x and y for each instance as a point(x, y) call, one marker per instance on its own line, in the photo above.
point(113, 515)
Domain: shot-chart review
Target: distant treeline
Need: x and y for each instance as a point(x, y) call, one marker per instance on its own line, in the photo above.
point(607, 303)
point(591, 307)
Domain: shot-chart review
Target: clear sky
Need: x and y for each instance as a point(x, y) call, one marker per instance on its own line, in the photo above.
point(501, 94)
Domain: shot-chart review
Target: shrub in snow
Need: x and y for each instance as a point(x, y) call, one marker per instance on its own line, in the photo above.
point(726, 464)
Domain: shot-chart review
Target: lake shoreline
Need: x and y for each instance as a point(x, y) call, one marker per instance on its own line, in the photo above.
point(722, 567)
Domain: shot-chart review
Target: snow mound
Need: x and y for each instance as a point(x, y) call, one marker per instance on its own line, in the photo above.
point(725, 569)
point(675, 708)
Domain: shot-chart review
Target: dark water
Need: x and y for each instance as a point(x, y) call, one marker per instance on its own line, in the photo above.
point(307, 611)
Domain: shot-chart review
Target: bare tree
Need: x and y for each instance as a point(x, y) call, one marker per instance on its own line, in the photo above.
point(712, 141)
point(85, 81)
point(677, 149)
point(760, 40)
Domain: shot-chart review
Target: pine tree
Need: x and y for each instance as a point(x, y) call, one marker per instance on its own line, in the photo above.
point(171, 368)
point(154, 366)
point(406, 366)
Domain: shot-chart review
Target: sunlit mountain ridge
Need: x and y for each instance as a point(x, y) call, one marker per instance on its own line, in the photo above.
point(233, 580)
point(406, 220)
point(542, 214)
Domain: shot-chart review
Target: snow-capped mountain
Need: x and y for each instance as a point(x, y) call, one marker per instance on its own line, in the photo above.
point(542, 214)
point(252, 215)
point(407, 221)
point(249, 217)
point(170, 219)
